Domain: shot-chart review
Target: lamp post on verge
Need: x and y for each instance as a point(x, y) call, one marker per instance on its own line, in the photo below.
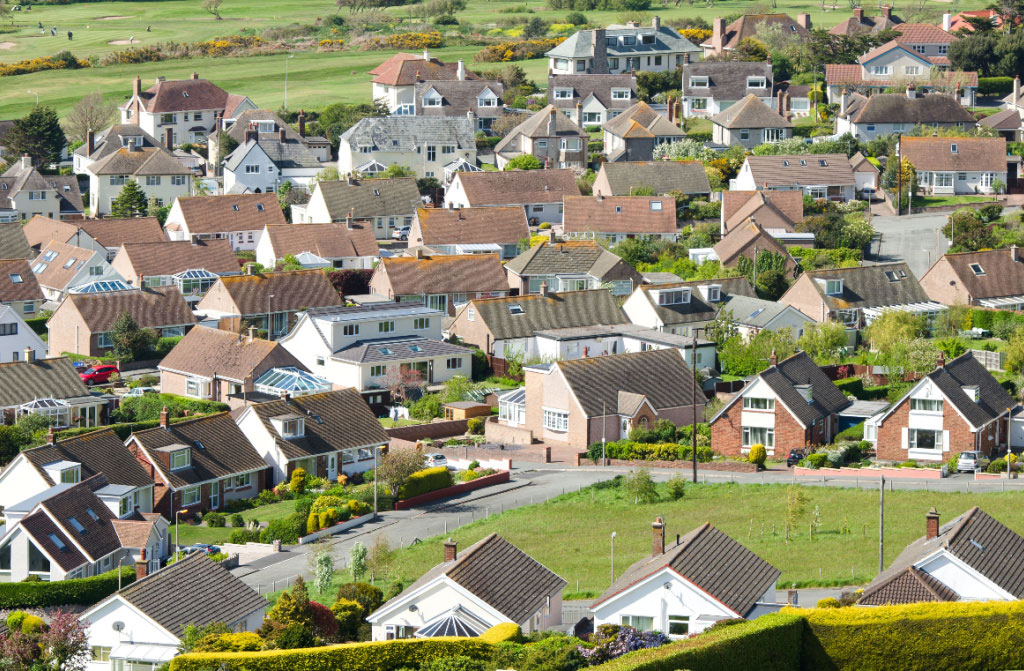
point(290, 56)
point(613, 557)
point(36, 95)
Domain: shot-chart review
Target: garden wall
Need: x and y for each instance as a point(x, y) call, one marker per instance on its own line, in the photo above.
point(533, 453)
point(433, 430)
point(336, 529)
point(496, 432)
point(496, 464)
point(454, 490)
point(891, 473)
point(582, 459)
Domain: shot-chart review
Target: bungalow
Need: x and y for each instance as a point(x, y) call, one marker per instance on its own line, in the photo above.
point(712, 86)
point(266, 161)
point(239, 218)
point(16, 337)
point(570, 266)
point(990, 279)
point(27, 193)
point(193, 267)
point(662, 177)
point(820, 176)
point(683, 308)
point(885, 113)
point(50, 387)
point(727, 38)
point(477, 99)
point(957, 165)
point(1007, 123)
point(683, 588)
point(591, 99)
point(749, 123)
point(613, 219)
point(552, 138)
point(324, 434)
point(21, 289)
point(622, 48)
point(633, 135)
point(82, 323)
point(540, 192)
point(339, 246)
point(747, 241)
point(101, 235)
point(423, 144)
point(394, 80)
point(386, 204)
point(459, 596)
point(471, 230)
point(442, 282)
point(778, 212)
point(790, 405)
point(60, 267)
point(753, 315)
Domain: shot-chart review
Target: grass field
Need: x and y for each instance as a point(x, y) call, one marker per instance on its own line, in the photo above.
point(189, 534)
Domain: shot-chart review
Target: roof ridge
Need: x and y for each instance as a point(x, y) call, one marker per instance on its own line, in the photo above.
point(965, 518)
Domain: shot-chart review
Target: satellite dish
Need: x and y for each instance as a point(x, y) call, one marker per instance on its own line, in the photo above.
point(118, 626)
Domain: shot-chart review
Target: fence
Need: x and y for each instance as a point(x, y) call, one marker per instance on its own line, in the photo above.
point(990, 360)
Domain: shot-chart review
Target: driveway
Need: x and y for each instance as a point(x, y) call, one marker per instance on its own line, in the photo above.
point(914, 238)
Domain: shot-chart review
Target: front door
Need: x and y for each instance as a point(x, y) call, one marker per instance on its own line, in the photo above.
point(214, 495)
point(332, 467)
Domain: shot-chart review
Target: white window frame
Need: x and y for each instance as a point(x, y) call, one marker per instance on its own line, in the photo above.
point(190, 496)
point(556, 420)
point(755, 403)
point(759, 435)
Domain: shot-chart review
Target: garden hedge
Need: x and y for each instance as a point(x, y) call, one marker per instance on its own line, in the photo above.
point(370, 656)
point(995, 86)
point(85, 591)
point(38, 324)
point(427, 480)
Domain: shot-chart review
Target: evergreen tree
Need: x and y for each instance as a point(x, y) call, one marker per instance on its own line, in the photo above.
point(130, 342)
point(39, 135)
point(131, 202)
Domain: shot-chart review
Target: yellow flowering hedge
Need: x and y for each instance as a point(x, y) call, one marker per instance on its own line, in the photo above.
point(517, 50)
point(62, 61)
point(409, 41)
point(370, 656)
point(696, 35)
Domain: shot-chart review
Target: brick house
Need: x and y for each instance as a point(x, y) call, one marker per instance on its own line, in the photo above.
point(748, 241)
point(617, 218)
point(957, 407)
point(990, 279)
point(442, 282)
point(775, 211)
point(790, 405)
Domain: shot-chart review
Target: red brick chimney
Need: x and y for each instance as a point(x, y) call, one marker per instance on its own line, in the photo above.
point(858, 14)
point(717, 34)
point(137, 86)
point(164, 418)
point(773, 360)
point(51, 438)
point(141, 566)
point(886, 11)
point(195, 75)
point(450, 550)
point(658, 537)
point(941, 363)
point(931, 524)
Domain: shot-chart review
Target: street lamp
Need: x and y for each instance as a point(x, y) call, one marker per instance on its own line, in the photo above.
point(613, 557)
point(36, 95)
point(291, 56)
point(177, 545)
point(270, 335)
point(119, 562)
point(899, 176)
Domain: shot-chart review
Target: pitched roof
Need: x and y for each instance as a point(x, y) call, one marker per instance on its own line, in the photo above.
point(545, 123)
point(771, 209)
point(460, 96)
point(576, 256)
point(370, 198)
point(934, 108)
point(133, 533)
point(535, 312)
point(518, 187)
point(114, 138)
point(787, 170)
point(18, 178)
point(149, 259)
point(40, 527)
point(1002, 272)
point(24, 381)
point(972, 153)
point(910, 585)
point(212, 595)
point(748, 25)
point(866, 24)
point(923, 33)
point(98, 452)
point(1008, 119)
point(727, 80)
point(13, 244)
point(408, 133)
point(292, 290)
point(66, 262)
point(747, 239)
point(750, 112)
point(235, 212)
point(800, 369)
point(396, 349)
point(499, 574)
point(150, 308)
point(444, 274)
point(580, 44)
point(599, 86)
point(291, 154)
point(207, 352)
point(886, 48)
point(642, 215)
point(404, 69)
point(39, 230)
point(472, 225)
point(335, 420)
point(698, 309)
point(328, 241)
point(97, 536)
point(852, 75)
point(641, 121)
point(183, 95)
point(661, 176)
point(869, 286)
point(113, 233)
point(756, 312)
point(246, 120)
point(966, 371)
point(218, 449)
point(139, 161)
point(711, 560)
point(27, 289)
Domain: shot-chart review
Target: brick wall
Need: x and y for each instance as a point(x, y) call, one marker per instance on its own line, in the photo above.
point(496, 432)
point(805, 298)
point(889, 446)
point(473, 332)
point(789, 435)
point(433, 430)
point(727, 432)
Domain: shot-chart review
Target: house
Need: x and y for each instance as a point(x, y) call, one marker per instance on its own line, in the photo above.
point(442, 282)
point(71, 460)
point(263, 162)
point(633, 134)
point(193, 267)
point(540, 192)
point(21, 289)
point(552, 138)
point(796, 98)
point(570, 266)
point(683, 308)
point(589, 99)
point(239, 218)
point(198, 464)
point(957, 165)
point(753, 315)
point(927, 40)
point(479, 100)
point(790, 405)
point(82, 323)
point(865, 174)
point(582, 401)
point(68, 532)
point(820, 176)
point(957, 407)
point(277, 297)
point(885, 113)
point(154, 168)
point(25, 193)
point(617, 218)
point(265, 122)
point(459, 597)
point(683, 588)
point(960, 21)
point(325, 434)
point(386, 204)
point(859, 24)
point(186, 110)
point(991, 279)
point(341, 246)
point(749, 123)
point(778, 212)
point(961, 560)
point(747, 241)
point(727, 38)
point(471, 230)
point(61, 267)
point(377, 347)
point(101, 235)
point(662, 177)
point(621, 48)
point(423, 144)
point(16, 337)
point(842, 294)
point(1007, 123)
point(217, 365)
point(712, 86)
point(51, 387)
point(101, 144)
point(394, 80)
point(143, 624)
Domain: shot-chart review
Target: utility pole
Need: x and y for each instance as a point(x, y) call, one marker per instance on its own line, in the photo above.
point(604, 432)
point(899, 177)
point(693, 414)
point(881, 523)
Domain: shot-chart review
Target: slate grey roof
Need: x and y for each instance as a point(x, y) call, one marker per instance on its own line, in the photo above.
point(458, 97)
point(17, 179)
point(641, 121)
point(195, 590)
point(539, 126)
point(756, 312)
point(966, 371)
point(1008, 119)
point(662, 176)
point(98, 452)
point(291, 154)
point(659, 374)
point(108, 141)
point(370, 198)
point(407, 133)
point(583, 86)
point(714, 562)
point(396, 349)
point(554, 311)
point(580, 44)
point(23, 381)
point(869, 287)
point(697, 309)
point(727, 80)
point(934, 108)
point(750, 112)
point(13, 243)
point(800, 369)
point(573, 257)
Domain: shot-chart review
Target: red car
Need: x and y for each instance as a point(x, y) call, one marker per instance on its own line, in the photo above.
point(98, 374)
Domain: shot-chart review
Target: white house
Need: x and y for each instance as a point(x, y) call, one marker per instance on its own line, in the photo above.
point(622, 48)
point(461, 597)
point(16, 337)
point(753, 315)
point(684, 588)
point(885, 113)
point(264, 162)
point(395, 80)
point(540, 192)
point(749, 123)
point(423, 144)
point(185, 109)
point(348, 245)
point(362, 346)
point(957, 165)
point(25, 193)
point(141, 626)
point(386, 204)
point(240, 218)
point(682, 308)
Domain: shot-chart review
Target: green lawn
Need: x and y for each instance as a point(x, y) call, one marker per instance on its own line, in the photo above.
point(945, 201)
point(389, 423)
point(188, 534)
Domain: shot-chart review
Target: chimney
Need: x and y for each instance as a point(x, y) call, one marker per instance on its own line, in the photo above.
point(132, 146)
point(858, 14)
point(352, 179)
point(887, 12)
point(911, 91)
point(931, 524)
point(195, 75)
point(599, 53)
point(161, 79)
point(656, 23)
point(941, 363)
point(773, 359)
point(579, 113)
point(544, 289)
point(717, 34)
point(348, 220)
point(164, 422)
point(1013, 257)
point(670, 101)
point(552, 123)
point(141, 566)
point(280, 134)
point(252, 333)
point(787, 101)
point(90, 141)
point(30, 355)
point(599, 196)
point(450, 550)
point(26, 162)
point(51, 438)
point(779, 104)
point(426, 54)
point(169, 138)
point(686, 58)
point(460, 214)
point(804, 20)
point(956, 93)
point(842, 103)
point(285, 396)
point(658, 537)
point(1016, 89)
point(471, 117)
point(460, 71)
point(137, 86)
point(947, 21)
point(250, 135)
point(302, 123)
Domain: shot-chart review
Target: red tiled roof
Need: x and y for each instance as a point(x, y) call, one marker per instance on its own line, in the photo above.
point(972, 153)
point(407, 69)
point(620, 214)
point(922, 33)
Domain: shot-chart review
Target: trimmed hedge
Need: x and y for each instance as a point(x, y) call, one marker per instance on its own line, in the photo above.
point(995, 86)
point(855, 432)
point(630, 450)
point(38, 324)
point(369, 656)
point(85, 591)
point(425, 481)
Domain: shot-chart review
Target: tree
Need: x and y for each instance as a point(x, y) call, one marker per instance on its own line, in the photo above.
point(62, 645)
point(771, 284)
point(751, 49)
point(396, 170)
point(639, 486)
point(292, 606)
point(131, 202)
point(400, 379)
point(893, 328)
point(891, 182)
point(506, 122)
point(796, 500)
point(968, 232)
point(381, 556)
point(1015, 352)
point(750, 357)
point(131, 342)
point(722, 328)
point(524, 162)
point(824, 342)
point(535, 27)
point(158, 211)
point(38, 135)
point(396, 466)
point(357, 561)
point(323, 570)
point(89, 113)
point(349, 615)
point(213, 7)
point(456, 389)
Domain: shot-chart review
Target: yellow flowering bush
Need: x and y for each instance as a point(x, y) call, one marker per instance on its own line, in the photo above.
point(62, 61)
point(517, 50)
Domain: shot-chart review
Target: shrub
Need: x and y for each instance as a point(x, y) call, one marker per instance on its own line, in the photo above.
point(545, 225)
point(454, 663)
point(817, 460)
point(1001, 86)
point(215, 520)
point(328, 518)
point(312, 524)
point(244, 641)
point(829, 602)
point(366, 595)
point(475, 425)
point(243, 536)
point(358, 508)
point(676, 487)
point(297, 484)
point(349, 615)
point(15, 619)
point(757, 455)
point(64, 592)
point(286, 530)
point(344, 513)
point(324, 502)
point(855, 432)
point(237, 521)
point(516, 50)
point(473, 465)
point(427, 480)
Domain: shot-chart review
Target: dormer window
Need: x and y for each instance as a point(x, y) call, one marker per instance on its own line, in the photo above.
point(698, 82)
point(180, 459)
point(432, 100)
point(977, 269)
point(952, 148)
point(757, 82)
point(266, 126)
point(714, 294)
point(563, 94)
point(293, 428)
point(620, 94)
point(673, 296)
point(629, 40)
point(834, 287)
point(71, 475)
point(647, 39)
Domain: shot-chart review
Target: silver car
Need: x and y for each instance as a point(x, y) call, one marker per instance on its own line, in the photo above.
point(971, 461)
point(435, 459)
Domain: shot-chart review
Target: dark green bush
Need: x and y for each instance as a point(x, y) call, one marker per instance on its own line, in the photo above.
point(427, 480)
point(851, 385)
point(855, 432)
point(995, 86)
point(286, 530)
point(817, 460)
point(366, 595)
point(148, 407)
point(243, 536)
point(237, 521)
point(64, 592)
point(214, 519)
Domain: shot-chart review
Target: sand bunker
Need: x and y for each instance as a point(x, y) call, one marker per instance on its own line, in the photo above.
point(113, 18)
point(7, 45)
point(122, 42)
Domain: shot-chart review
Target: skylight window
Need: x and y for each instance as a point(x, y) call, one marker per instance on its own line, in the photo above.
point(516, 309)
point(92, 514)
point(77, 525)
point(259, 207)
point(49, 256)
point(953, 148)
point(803, 162)
point(823, 163)
point(415, 348)
point(385, 351)
point(892, 276)
point(235, 208)
point(57, 541)
point(756, 312)
point(184, 93)
point(785, 163)
point(70, 262)
point(977, 269)
point(618, 209)
point(15, 278)
point(656, 206)
point(39, 267)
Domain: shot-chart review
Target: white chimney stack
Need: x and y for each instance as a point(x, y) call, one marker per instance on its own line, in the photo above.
point(911, 91)
point(842, 103)
point(947, 21)
point(426, 54)
point(461, 72)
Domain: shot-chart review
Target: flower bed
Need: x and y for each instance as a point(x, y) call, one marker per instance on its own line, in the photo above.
point(454, 490)
point(336, 529)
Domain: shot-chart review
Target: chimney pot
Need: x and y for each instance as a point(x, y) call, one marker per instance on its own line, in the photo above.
point(51, 438)
point(658, 537)
point(460, 71)
point(931, 524)
point(717, 34)
point(141, 566)
point(887, 12)
point(947, 21)
point(90, 142)
point(30, 354)
point(195, 75)
point(544, 288)
point(164, 420)
point(451, 550)
point(281, 134)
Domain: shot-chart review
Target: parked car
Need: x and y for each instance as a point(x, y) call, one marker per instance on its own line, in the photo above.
point(401, 233)
point(205, 548)
point(141, 391)
point(435, 459)
point(795, 457)
point(98, 374)
point(971, 461)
